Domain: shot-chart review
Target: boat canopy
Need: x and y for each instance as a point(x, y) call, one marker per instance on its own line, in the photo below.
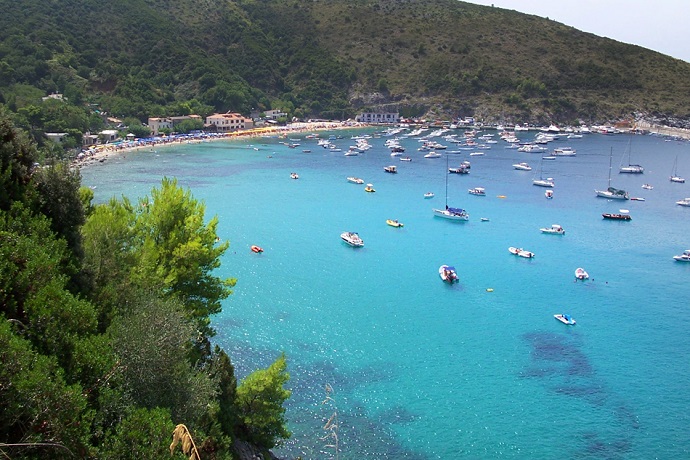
point(456, 210)
point(449, 268)
point(567, 317)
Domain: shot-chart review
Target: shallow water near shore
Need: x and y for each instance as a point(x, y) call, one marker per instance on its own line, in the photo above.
point(424, 370)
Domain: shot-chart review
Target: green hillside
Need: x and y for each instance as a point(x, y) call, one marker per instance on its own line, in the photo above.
point(327, 58)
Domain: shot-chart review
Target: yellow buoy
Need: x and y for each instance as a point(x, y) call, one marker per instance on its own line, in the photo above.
point(501, 196)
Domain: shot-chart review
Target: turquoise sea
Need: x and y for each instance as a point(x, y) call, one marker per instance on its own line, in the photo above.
point(424, 370)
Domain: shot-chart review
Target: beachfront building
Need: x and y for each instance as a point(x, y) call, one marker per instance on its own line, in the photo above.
point(378, 117)
point(226, 122)
point(158, 124)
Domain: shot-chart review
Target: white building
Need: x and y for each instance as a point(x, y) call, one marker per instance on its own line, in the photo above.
point(226, 122)
point(374, 117)
point(157, 124)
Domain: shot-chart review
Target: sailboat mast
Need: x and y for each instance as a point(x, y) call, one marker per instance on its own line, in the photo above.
point(610, 160)
point(447, 174)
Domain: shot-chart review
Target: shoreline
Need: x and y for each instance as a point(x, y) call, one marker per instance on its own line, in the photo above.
point(102, 152)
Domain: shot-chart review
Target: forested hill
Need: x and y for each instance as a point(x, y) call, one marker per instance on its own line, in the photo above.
point(327, 58)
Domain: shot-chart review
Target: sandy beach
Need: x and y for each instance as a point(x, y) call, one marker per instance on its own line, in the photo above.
point(100, 153)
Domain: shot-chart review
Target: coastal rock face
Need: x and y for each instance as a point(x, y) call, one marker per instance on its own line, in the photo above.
point(246, 451)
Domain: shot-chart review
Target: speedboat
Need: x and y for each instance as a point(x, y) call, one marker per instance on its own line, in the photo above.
point(565, 319)
point(548, 194)
point(581, 274)
point(352, 238)
point(394, 223)
point(452, 213)
point(369, 188)
point(647, 187)
point(684, 257)
point(622, 215)
point(448, 274)
point(522, 167)
point(479, 191)
point(554, 230)
point(684, 202)
point(355, 180)
point(429, 195)
point(432, 154)
point(564, 152)
point(521, 252)
point(390, 169)
point(405, 159)
point(462, 169)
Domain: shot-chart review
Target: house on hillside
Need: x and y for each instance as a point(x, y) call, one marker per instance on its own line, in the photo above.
point(157, 124)
point(378, 117)
point(226, 122)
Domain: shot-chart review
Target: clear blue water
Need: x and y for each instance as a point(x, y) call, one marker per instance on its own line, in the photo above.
point(424, 370)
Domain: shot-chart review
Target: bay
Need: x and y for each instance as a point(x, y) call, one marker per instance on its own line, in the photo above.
point(421, 369)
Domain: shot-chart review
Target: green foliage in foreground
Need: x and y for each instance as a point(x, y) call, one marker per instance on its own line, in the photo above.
point(105, 323)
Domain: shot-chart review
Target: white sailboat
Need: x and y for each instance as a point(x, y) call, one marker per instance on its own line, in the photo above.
point(674, 173)
point(541, 182)
point(450, 213)
point(631, 168)
point(612, 193)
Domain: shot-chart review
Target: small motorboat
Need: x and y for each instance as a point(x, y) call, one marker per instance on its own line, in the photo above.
point(479, 191)
point(484, 219)
point(522, 167)
point(548, 157)
point(581, 274)
point(555, 229)
point(684, 202)
point(624, 214)
point(394, 223)
point(548, 194)
point(647, 187)
point(369, 188)
point(429, 195)
point(448, 274)
point(390, 169)
point(257, 249)
point(521, 252)
point(294, 175)
point(684, 257)
point(636, 198)
point(355, 180)
point(352, 238)
point(405, 159)
point(565, 319)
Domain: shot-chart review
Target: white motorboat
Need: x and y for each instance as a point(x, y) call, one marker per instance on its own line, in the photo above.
point(355, 180)
point(477, 154)
point(352, 238)
point(548, 157)
point(548, 194)
point(555, 229)
point(522, 167)
point(390, 169)
point(565, 319)
point(647, 187)
point(611, 192)
point(448, 274)
point(684, 257)
point(433, 155)
point(429, 195)
point(405, 159)
point(351, 153)
point(684, 202)
point(581, 274)
point(479, 191)
point(294, 175)
point(564, 152)
point(521, 252)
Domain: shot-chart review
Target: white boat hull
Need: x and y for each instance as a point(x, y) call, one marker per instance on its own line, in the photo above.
point(450, 216)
